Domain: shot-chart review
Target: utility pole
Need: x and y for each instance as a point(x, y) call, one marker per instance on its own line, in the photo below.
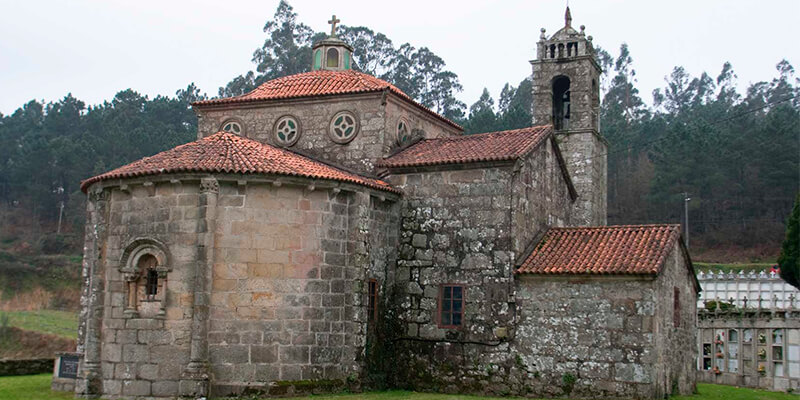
point(686, 200)
point(60, 212)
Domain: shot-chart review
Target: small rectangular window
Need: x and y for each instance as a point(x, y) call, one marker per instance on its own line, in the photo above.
point(151, 285)
point(676, 309)
point(451, 306)
point(372, 302)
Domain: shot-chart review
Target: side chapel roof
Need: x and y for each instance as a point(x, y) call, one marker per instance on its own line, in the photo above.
point(493, 146)
point(322, 83)
point(225, 152)
point(602, 250)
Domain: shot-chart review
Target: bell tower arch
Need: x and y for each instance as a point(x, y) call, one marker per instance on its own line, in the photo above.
point(566, 94)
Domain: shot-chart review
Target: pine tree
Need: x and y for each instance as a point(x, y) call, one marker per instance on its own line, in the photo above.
point(789, 259)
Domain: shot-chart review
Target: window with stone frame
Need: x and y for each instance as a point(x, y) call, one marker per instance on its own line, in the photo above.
point(144, 269)
point(676, 307)
point(232, 127)
point(451, 306)
point(344, 127)
point(403, 132)
point(287, 130)
point(372, 300)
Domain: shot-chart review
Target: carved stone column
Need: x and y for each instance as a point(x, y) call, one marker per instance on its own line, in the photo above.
point(90, 381)
point(196, 375)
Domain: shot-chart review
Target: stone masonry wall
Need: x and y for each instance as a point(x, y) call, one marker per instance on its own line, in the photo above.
point(541, 197)
point(455, 229)
point(287, 291)
point(420, 124)
point(586, 337)
point(314, 117)
point(676, 361)
point(145, 356)
point(286, 301)
point(583, 149)
point(585, 155)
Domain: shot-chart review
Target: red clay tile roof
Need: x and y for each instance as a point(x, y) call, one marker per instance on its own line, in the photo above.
point(602, 250)
point(494, 146)
point(225, 152)
point(320, 83)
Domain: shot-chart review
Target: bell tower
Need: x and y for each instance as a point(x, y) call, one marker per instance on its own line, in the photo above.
point(566, 94)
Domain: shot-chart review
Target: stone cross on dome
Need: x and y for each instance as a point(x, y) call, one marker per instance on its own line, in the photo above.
point(333, 23)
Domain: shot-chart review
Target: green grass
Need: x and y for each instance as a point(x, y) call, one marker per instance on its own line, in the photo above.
point(59, 323)
point(36, 387)
point(29, 387)
point(707, 391)
point(733, 267)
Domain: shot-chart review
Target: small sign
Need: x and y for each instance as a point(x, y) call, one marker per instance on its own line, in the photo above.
point(68, 366)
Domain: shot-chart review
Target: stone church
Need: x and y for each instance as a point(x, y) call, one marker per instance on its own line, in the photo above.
point(327, 231)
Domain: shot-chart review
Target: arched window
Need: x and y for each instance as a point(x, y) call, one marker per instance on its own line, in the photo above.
point(333, 58)
point(144, 268)
point(317, 59)
point(561, 102)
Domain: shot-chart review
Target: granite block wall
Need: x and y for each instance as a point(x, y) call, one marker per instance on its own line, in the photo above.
point(314, 118)
point(267, 283)
point(455, 229)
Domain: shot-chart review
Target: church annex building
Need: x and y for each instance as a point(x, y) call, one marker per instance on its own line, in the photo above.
point(327, 231)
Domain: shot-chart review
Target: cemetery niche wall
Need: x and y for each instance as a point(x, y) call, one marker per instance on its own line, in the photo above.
point(752, 343)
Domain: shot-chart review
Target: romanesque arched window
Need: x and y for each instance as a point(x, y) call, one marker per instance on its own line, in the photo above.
point(144, 267)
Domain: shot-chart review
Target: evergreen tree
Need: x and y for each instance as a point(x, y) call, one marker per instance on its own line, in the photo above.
point(482, 117)
point(789, 260)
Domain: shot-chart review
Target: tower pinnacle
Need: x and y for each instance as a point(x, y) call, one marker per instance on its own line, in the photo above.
point(568, 18)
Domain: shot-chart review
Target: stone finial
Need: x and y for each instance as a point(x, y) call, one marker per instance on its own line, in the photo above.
point(589, 38)
point(791, 301)
point(583, 30)
point(567, 18)
point(542, 36)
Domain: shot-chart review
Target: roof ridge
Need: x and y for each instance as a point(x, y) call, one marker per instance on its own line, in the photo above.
point(482, 134)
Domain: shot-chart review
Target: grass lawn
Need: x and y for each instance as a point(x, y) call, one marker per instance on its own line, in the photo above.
point(60, 323)
point(29, 387)
point(37, 387)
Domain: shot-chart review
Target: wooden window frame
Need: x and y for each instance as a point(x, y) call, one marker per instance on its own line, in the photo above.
point(373, 291)
point(442, 289)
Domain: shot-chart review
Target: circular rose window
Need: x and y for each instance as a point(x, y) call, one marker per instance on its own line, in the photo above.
point(232, 127)
point(344, 127)
point(287, 131)
point(403, 135)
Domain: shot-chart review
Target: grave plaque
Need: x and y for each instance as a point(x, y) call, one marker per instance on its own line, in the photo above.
point(68, 366)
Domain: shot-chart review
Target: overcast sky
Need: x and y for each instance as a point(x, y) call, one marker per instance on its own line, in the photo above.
point(94, 49)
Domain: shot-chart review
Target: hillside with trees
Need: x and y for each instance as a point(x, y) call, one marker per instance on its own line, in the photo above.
point(736, 154)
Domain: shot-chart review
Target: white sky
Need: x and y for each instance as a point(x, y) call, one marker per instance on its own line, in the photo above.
point(93, 49)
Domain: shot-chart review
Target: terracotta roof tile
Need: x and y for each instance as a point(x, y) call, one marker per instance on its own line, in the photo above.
point(494, 146)
point(320, 83)
point(604, 250)
point(225, 152)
